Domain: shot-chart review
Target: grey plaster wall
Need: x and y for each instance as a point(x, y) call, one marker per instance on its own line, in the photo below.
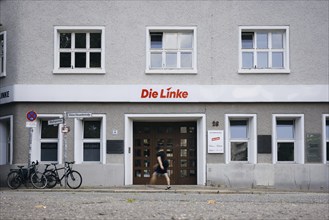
point(30, 29)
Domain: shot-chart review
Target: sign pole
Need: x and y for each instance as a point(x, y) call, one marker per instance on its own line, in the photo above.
point(65, 147)
point(31, 116)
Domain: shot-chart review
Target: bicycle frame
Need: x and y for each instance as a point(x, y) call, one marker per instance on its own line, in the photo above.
point(66, 173)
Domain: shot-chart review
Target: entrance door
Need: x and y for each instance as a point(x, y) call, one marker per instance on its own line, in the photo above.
point(178, 139)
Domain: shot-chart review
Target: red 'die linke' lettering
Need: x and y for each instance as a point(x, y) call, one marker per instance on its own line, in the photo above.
point(164, 94)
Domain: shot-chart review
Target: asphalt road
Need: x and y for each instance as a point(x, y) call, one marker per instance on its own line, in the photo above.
point(70, 204)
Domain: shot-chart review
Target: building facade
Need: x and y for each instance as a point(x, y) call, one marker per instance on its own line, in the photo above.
point(236, 92)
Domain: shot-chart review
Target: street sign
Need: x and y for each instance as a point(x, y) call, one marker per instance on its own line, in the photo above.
point(56, 121)
point(79, 115)
point(31, 124)
point(31, 115)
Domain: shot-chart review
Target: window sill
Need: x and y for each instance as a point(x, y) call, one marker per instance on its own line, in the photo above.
point(264, 71)
point(171, 71)
point(79, 71)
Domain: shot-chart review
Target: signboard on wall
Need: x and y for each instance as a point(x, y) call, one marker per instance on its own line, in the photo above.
point(215, 141)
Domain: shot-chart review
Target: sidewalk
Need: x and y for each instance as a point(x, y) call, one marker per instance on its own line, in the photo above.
point(184, 189)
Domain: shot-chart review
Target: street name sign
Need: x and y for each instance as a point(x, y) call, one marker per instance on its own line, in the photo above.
point(56, 121)
point(79, 115)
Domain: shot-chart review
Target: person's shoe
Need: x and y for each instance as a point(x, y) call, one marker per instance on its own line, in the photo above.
point(168, 187)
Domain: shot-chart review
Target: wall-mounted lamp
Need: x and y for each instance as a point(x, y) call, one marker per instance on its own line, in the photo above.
point(215, 123)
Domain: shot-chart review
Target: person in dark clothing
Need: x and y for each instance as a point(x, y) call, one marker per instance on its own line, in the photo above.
point(161, 168)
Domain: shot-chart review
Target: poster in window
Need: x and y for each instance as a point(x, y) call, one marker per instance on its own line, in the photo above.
point(215, 141)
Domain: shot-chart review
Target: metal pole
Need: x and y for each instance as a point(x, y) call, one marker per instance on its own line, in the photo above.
point(65, 147)
point(30, 151)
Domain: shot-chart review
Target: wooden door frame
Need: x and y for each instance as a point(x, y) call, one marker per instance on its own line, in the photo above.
point(200, 120)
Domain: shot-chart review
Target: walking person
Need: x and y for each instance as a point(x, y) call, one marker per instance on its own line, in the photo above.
point(161, 168)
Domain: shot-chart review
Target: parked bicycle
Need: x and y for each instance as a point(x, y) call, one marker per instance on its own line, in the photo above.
point(73, 177)
point(23, 175)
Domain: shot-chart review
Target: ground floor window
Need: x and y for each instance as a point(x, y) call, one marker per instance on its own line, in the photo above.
point(241, 138)
point(325, 128)
point(47, 140)
point(6, 140)
point(90, 139)
point(288, 138)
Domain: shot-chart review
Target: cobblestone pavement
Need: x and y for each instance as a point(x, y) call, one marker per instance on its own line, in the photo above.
point(71, 204)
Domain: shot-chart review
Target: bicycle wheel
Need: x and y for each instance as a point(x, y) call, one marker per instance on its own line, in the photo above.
point(74, 179)
point(38, 180)
point(51, 179)
point(14, 180)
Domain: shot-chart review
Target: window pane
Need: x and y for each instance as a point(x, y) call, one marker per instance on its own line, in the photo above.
point(277, 40)
point(277, 60)
point(247, 60)
point(92, 129)
point(262, 40)
point(262, 60)
point(171, 60)
point(65, 40)
point(95, 40)
point(238, 129)
point(285, 151)
point(327, 151)
point(48, 131)
point(95, 59)
point(171, 41)
point(91, 152)
point(156, 60)
point(239, 151)
point(247, 40)
point(49, 152)
point(156, 40)
point(80, 40)
point(186, 40)
point(186, 60)
point(80, 59)
point(65, 60)
point(327, 129)
point(285, 129)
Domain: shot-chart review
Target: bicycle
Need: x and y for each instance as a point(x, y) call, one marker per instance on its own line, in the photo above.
point(73, 177)
point(23, 175)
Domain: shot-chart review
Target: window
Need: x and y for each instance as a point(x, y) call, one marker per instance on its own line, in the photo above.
point(3, 46)
point(171, 50)
point(264, 50)
point(90, 139)
point(241, 138)
point(47, 140)
point(288, 138)
point(325, 128)
point(79, 50)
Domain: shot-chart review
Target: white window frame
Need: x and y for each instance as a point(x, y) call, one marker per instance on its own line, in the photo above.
point(79, 139)
point(3, 64)
point(173, 29)
point(299, 146)
point(36, 139)
point(251, 140)
point(271, 29)
point(4, 142)
point(325, 139)
point(77, 29)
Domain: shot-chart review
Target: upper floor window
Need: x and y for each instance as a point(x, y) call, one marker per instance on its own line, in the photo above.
point(79, 50)
point(264, 50)
point(171, 50)
point(3, 47)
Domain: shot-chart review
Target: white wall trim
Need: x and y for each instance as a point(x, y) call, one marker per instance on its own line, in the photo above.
point(201, 143)
point(195, 93)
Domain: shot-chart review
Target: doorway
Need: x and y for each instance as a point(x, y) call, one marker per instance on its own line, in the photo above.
point(179, 141)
